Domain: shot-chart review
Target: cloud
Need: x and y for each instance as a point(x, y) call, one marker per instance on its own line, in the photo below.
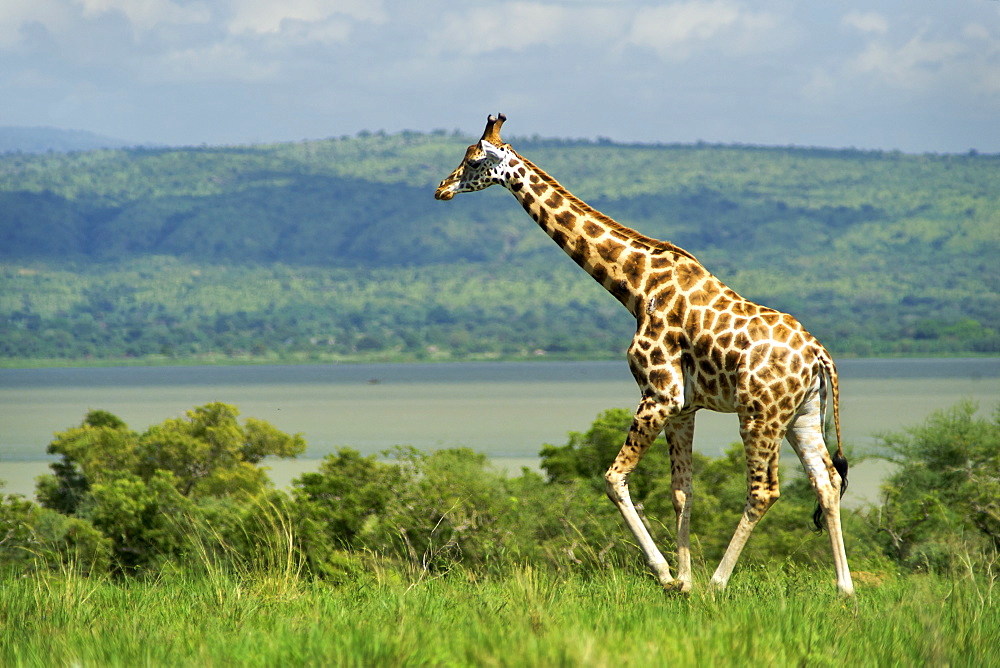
point(164, 41)
point(265, 17)
point(676, 31)
point(669, 27)
point(672, 31)
point(16, 16)
point(520, 26)
point(165, 25)
point(220, 61)
point(915, 65)
point(926, 61)
point(145, 15)
point(295, 68)
point(866, 22)
point(83, 28)
point(986, 45)
point(938, 71)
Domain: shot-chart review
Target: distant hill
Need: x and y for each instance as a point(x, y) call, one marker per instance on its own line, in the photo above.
point(43, 140)
point(338, 246)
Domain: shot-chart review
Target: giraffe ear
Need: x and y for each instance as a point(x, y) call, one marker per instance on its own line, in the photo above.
point(493, 154)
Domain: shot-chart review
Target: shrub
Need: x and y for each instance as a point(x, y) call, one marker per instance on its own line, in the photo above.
point(942, 503)
point(147, 492)
point(32, 537)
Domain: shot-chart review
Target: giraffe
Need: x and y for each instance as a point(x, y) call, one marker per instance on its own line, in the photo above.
point(697, 345)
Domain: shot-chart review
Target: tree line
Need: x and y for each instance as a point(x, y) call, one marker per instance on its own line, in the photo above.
point(269, 251)
point(166, 309)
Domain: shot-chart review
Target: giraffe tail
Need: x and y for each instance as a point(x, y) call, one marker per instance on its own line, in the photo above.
point(830, 380)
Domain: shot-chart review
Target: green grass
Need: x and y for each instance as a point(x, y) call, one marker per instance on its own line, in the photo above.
point(528, 617)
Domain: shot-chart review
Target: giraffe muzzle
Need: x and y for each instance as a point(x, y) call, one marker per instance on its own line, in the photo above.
point(444, 192)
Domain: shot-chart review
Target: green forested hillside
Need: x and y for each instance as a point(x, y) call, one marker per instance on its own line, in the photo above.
point(336, 249)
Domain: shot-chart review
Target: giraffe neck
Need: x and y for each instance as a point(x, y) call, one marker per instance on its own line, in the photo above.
point(618, 257)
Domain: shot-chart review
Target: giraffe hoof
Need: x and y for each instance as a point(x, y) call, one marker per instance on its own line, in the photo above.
point(677, 587)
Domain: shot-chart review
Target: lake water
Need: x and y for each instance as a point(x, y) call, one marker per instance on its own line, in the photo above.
point(505, 409)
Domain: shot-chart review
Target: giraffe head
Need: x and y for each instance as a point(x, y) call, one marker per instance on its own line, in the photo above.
point(484, 165)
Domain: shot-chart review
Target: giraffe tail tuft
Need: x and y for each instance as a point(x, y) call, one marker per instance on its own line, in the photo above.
point(840, 463)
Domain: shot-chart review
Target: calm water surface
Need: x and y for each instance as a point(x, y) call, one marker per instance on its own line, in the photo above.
point(505, 409)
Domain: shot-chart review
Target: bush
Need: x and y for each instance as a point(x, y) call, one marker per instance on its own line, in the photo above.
point(146, 492)
point(32, 537)
point(942, 503)
point(432, 512)
point(188, 495)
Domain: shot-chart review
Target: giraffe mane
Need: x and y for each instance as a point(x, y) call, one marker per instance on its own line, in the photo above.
point(627, 232)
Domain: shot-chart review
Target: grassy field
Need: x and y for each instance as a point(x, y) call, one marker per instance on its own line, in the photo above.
point(525, 618)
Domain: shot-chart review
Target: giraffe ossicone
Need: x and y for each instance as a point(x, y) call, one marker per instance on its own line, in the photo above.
point(698, 345)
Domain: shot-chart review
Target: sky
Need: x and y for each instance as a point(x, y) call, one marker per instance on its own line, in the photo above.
point(910, 75)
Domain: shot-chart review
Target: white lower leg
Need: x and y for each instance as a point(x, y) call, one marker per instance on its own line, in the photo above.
point(833, 526)
point(619, 494)
point(682, 506)
point(806, 437)
point(732, 555)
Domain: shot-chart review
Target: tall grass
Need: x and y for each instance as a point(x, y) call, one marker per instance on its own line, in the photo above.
point(241, 597)
point(232, 575)
point(527, 617)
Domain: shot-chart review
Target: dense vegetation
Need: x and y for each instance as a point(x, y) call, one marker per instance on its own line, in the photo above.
point(437, 558)
point(133, 504)
point(336, 250)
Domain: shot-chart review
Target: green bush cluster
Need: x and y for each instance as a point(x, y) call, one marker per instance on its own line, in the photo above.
point(129, 501)
point(191, 494)
point(940, 509)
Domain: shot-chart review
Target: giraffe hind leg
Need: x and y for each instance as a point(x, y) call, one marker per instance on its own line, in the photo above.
point(841, 465)
point(762, 449)
point(827, 477)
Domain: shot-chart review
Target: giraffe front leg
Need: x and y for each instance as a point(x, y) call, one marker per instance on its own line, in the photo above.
point(648, 422)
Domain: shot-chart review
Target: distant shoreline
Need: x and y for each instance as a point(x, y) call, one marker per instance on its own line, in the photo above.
point(292, 360)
